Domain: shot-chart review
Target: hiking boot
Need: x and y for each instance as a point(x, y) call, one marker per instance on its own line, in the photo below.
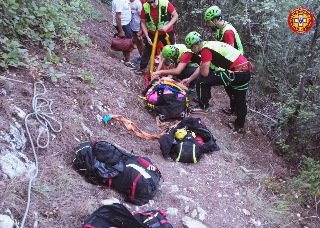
point(139, 71)
point(229, 111)
point(199, 110)
point(130, 65)
point(235, 128)
point(138, 59)
point(122, 60)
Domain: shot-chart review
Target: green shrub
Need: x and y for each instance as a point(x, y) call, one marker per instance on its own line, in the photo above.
point(308, 181)
point(11, 53)
point(43, 22)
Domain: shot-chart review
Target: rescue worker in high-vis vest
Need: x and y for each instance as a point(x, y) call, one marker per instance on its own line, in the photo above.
point(237, 73)
point(226, 33)
point(185, 60)
point(156, 15)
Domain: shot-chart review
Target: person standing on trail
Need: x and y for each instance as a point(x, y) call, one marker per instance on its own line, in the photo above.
point(226, 33)
point(156, 15)
point(136, 8)
point(185, 60)
point(237, 74)
point(121, 20)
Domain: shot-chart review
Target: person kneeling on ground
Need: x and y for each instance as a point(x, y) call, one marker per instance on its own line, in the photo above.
point(185, 60)
point(238, 75)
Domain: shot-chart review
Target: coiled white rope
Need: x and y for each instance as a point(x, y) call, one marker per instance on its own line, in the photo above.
point(43, 113)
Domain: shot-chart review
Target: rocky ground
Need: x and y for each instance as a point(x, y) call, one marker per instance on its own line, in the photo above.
point(225, 189)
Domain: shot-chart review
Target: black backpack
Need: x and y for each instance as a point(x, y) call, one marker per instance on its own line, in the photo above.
point(100, 161)
point(104, 164)
point(139, 180)
point(153, 219)
point(171, 105)
point(188, 149)
point(117, 215)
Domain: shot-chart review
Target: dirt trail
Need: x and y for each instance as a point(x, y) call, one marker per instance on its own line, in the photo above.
point(226, 184)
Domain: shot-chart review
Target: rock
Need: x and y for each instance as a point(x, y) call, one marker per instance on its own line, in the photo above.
point(110, 201)
point(184, 198)
point(19, 112)
point(194, 213)
point(86, 129)
point(172, 211)
point(191, 223)
point(174, 188)
point(36, 220)
point(183, 171)
point(256, 223)
point(15, 138)
point(202, 213)
point(121, 102)
point(151, 202)
point(12, 165)
point(6, 221)
point(99, 118)
point(246, 212)
point(187, 209)
point(3, 92)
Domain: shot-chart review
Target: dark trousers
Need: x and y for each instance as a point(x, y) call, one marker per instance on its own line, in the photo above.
point(230, 91)
point(148, 48)
point(204, 85)
point(186, 73)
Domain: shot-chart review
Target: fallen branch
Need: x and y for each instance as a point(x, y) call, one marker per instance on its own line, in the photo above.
point(10, 79)
point(263, 115)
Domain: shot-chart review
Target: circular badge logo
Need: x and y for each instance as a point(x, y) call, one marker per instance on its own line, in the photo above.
point(300, 20)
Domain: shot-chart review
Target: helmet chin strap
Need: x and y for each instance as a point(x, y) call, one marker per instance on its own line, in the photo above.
point(215, 25)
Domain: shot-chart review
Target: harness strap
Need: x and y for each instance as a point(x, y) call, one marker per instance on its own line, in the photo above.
point(147, 164)
point(178, 158)
point(167, 39)
point(146, 77)
point(243, 67)
point(134, 184)
point(162, 212)
point(164, 221)
point(165, 124)
point(132, 127)
point(241, 87)
point(222, 73)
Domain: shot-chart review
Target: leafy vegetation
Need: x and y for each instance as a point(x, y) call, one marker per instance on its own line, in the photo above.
point(308, 181)
point(87, 77)
point(11, 53)
point(286, 81)
point(41, 22)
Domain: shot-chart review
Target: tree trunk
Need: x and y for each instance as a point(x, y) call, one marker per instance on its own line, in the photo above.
point(293, 119)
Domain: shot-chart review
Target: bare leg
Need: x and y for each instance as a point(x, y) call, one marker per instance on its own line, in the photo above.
point(126, 55)
point(138, 43)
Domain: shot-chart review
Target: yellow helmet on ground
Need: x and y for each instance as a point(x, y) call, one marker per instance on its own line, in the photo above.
point(180, 133)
